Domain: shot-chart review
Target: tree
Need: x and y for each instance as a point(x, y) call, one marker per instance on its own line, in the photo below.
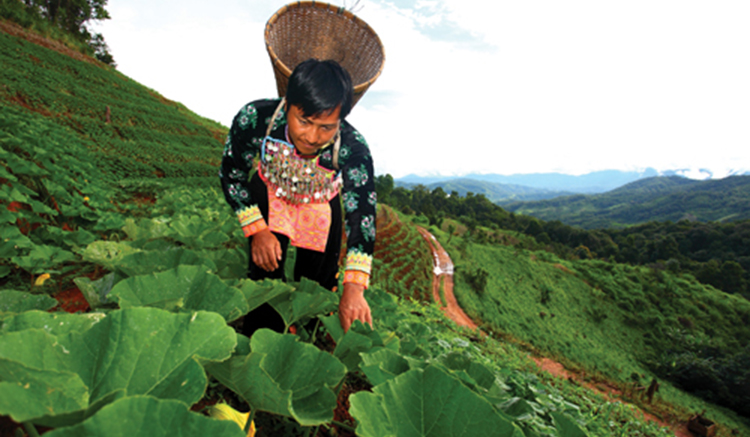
point(384, 187)
point(69, 16)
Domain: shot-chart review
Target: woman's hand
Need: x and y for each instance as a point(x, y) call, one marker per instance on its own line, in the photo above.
point(266, 250)
point(353, 306)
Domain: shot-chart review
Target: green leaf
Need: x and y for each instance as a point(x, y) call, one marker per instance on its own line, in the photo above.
point(307, 301)
point(426, 403)
point(383, 365)
point(43, 257)
point(360, 338)
point(12, 241)
point(96, 292)
point(80, 237)
point(259, 292)
point(186, 288)
point(7, 216)
point(146, 229)
point(29, 393)
point(107, 254)
point(12, 301)
point(145, 416)
point(134, 351)
point(151, 261)
point(57, 323)
point(283, 376)
point(566, 427)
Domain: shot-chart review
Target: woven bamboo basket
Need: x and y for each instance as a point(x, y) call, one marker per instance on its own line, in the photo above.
point(310, 29)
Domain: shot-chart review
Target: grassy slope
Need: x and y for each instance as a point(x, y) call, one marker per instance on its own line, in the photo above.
point(56, 105)
point(654, 199)
point(607, 320)
point(146, 137)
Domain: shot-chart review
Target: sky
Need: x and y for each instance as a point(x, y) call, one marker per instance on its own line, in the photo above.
point(486, 86)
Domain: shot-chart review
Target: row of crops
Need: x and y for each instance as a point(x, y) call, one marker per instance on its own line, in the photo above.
point(137, 133)
point(403, 261)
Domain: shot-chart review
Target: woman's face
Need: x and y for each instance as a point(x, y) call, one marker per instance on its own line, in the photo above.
point(310, 133)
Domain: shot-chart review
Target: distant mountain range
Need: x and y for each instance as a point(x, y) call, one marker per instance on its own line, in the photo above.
point(669, 198)
point(540, 186)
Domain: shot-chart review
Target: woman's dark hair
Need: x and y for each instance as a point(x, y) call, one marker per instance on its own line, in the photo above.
point(320, 86)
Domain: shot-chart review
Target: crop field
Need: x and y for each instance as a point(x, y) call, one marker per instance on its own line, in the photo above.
point(402, 260)
point(122, 284)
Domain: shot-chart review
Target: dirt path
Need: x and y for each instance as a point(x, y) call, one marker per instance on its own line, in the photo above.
point(443, 273)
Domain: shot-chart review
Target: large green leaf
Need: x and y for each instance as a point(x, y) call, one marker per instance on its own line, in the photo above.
point(383, 365)
point(283, 376)
point(146, 229)
point(359, 339)
point(426, 403)
point(259, 292)
point(13, 240)
point(308, 300)
point(12, 301)
point(30, 393)
point(145, 416)
point(133, 351)
point(151, 261)
point(57, 323)
point(96, 292)
point(107, 254)
point(43, 257)
point(184, 289)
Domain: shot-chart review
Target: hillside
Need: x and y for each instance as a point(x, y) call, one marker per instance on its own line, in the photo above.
point(654, 199)
point(122, 277)
point(136, 134)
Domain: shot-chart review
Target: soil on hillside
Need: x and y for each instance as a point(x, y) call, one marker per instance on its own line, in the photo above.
point(443, 274)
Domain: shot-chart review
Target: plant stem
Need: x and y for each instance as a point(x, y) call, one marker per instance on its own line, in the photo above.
point(249, 420)
point(343, 425)
point(30, 429)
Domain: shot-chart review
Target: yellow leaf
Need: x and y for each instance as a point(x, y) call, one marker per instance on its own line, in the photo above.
point(40, 280)
point(225, 412)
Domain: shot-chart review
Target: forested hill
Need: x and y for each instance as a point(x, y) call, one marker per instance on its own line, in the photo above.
point(670, 198)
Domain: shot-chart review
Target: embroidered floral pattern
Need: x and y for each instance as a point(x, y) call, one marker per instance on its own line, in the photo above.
point(248, 116)
point(368, 228)
point(237, 174)
point(358, 175)
point(344, 153)
point(351, 201)
point(372, 198)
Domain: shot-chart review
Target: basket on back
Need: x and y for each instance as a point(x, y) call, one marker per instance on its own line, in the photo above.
point(305, 30)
